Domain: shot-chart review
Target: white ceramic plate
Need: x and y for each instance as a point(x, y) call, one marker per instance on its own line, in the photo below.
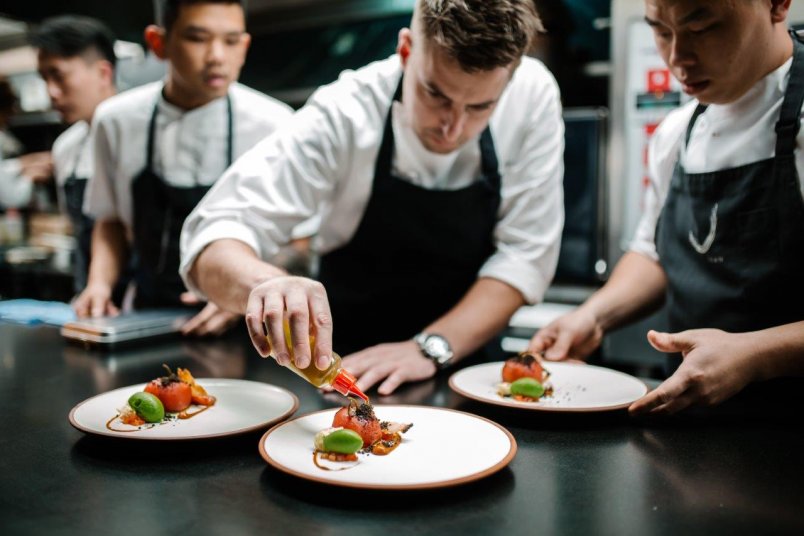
point(242, 406)
point(443, 448)
point(576, 387)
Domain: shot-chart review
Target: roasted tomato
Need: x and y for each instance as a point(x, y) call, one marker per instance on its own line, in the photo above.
point(175, 394)
point(523, 366)
point(360, 418)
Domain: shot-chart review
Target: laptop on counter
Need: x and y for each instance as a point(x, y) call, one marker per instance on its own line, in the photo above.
point(127, 327)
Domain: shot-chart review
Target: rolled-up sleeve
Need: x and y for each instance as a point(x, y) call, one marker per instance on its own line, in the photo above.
point(528, 234)
point(270, 190)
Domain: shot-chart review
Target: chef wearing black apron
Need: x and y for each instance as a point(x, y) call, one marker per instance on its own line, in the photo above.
point(731, 242)
point(725, 248)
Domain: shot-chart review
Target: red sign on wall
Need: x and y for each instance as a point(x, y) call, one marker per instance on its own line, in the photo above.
point(658, 80)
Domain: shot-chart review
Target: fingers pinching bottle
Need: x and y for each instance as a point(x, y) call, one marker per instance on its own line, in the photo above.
point(335, 376)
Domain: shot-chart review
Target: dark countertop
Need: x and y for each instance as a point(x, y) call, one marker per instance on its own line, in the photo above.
point(573, 474)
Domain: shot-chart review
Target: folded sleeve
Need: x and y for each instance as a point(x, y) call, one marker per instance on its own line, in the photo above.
point(273, 188)
point(528, 233)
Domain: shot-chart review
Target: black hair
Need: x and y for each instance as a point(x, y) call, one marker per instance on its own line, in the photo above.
point(72, 35)
point(167, 11)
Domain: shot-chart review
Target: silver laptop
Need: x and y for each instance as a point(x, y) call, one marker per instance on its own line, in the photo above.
point(127, 327)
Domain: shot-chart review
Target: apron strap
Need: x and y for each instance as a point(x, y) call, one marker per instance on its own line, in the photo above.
point(230, 135)
point(701, 108)
point(789, 124)
point(149, 145)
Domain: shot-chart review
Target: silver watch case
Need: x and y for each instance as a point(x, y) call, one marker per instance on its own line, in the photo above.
point(435, 347)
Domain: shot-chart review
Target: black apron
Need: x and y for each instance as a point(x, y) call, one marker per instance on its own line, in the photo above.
point(414, 255)
point(732, 241)
point(159, 213)
point(74, 188)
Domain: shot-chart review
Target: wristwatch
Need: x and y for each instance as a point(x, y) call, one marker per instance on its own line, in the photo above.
point(435, 348)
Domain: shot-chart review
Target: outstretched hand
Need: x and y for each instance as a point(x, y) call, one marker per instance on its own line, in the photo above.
point(716, 366)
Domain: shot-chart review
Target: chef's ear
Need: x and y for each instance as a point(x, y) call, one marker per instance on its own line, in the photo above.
point(404, 45)
point(779, 10)
point(155, 39)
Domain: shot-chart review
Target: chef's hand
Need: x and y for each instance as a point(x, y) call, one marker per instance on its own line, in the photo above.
point(716, 366)
point(95, 301)
point(396, 363)
point(211, 320)
point(38, 167)
point(303, 302)
point(574, 335)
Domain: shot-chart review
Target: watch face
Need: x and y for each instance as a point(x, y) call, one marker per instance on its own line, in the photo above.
point(437, 347)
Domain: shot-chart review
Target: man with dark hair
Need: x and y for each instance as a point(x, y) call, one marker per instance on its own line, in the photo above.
point(722, 237)
point(437, 173)
point(159, 148)
point(77, 62)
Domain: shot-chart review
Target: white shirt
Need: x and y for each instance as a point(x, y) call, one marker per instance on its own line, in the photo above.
point(72, 152)
point(724, 136)
point(323, 163)
point(15, 188)
point(189, 146)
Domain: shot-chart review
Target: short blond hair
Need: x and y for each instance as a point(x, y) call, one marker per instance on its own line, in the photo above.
point(480, 35)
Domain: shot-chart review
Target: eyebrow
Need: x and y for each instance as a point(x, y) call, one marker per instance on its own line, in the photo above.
point(200, 29)
point(696, 15)
point(435, 89)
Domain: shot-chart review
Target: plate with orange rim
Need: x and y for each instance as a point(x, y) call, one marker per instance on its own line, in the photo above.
point(242, 406)
point(576, 388)
point(429, 455)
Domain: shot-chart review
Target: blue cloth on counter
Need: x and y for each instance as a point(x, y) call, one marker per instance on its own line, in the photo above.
point(36, 312)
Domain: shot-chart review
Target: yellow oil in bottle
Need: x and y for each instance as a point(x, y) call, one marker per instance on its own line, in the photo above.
point(312, 374)
point(334, 375)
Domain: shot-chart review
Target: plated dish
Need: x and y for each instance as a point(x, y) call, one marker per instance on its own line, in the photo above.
point(442, 448)
point(214, 408)
point(572, 388)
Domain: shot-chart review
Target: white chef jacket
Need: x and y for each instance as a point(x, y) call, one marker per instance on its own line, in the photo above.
point(72, 152)
point(190, 147)
point(724, 136)
point(323, 164)
point(15, 189)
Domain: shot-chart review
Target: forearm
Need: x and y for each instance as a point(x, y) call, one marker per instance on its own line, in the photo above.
point(227, 271)
point(482, 313)
point(777, 352)
point(636, 288)
point(109, 253)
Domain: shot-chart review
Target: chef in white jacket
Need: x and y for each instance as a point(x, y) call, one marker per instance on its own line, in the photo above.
point(722, 237)
point(159, 148)
point(76, 60)
point(437, 175)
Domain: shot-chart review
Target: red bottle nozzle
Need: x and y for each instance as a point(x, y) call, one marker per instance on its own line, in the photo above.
point(344, 383)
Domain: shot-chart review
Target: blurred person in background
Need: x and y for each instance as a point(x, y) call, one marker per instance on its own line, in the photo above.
point(76, 60)
point(160, 147)
point(18, 174)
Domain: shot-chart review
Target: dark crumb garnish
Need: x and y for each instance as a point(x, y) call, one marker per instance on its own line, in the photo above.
point(384, 424)
point(525, 358)
point(362, 410)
